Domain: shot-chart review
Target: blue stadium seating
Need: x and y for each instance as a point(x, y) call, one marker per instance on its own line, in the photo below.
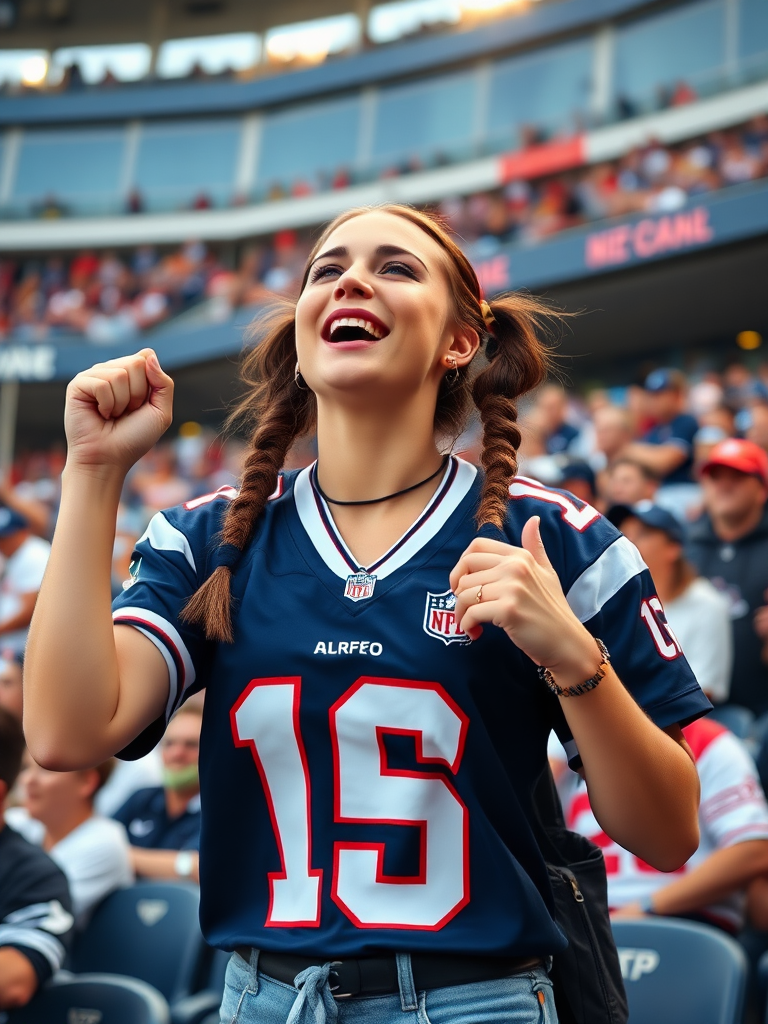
point(679, 971)
point(91, 998)
point(148, 931)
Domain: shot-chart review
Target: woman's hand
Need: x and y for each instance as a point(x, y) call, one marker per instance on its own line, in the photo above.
point(522, 595)
point(116, 411)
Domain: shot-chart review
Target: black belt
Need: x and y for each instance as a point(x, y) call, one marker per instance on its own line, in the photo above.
point(377, 975)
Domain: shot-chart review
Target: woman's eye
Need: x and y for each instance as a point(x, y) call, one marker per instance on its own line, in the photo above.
point(398, 268)
point(325, 271)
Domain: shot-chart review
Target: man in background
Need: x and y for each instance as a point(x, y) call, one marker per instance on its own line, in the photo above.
point(35, 919)
point(24, 558)
point(667, 447)
point(57, 813)
point(729, 546)
point(163, 822)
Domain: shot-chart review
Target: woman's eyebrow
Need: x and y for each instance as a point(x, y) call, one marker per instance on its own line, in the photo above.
point(381, 250)
point(339, 250)
point(395, 250)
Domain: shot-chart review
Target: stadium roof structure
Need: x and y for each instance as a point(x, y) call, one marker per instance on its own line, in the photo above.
point(57, 23)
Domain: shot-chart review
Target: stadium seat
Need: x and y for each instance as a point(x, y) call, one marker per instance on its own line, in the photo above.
point(682, 972)
point(148, 931)
point(91, 998)
point(736, 718)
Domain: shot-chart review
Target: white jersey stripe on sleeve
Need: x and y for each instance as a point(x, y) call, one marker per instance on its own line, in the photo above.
point(602, 580)
point(164, 537)
point(32, 938)
point(167, 639)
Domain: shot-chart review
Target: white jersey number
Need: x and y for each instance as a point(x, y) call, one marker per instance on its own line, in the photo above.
point(652, 614)
point(366, 791)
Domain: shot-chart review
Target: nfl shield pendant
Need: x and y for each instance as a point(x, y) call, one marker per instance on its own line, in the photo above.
point(440, 618)
point(359, 586)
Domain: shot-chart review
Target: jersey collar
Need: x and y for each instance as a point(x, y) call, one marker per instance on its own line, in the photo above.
point(318, 522)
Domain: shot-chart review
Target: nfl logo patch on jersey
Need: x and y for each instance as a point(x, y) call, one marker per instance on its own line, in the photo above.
point(440, 618)
point(359, 586)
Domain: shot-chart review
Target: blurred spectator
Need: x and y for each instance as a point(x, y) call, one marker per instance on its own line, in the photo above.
point(613, 432)
point(58, 815)
point(733, 821)
point(698, 615)
point(627, 482)
point(756, 427)
point(579, 479)
point(729, 545)
point(35, 918)
point(24, 560)
point(10, 681)
point(163, 823)
point(667, 447)
point(552, 408)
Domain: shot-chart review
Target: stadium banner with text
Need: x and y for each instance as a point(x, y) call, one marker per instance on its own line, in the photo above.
point(708, 220)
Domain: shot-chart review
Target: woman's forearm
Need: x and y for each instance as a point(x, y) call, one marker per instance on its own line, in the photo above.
point(643, 785)
point(71, 678)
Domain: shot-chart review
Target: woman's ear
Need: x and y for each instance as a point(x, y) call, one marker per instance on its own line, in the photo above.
point(464, 345)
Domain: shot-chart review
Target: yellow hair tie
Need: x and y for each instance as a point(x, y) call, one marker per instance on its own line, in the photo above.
point(486, 314)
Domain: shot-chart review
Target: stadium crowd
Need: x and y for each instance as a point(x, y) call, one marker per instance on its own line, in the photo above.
point(109, 296)
point(679, 466)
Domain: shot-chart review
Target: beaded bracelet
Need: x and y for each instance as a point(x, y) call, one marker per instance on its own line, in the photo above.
point(587, 685)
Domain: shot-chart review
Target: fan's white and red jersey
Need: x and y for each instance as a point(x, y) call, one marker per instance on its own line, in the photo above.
point(733, 809)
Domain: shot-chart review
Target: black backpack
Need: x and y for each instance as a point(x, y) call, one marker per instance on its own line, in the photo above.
point(586, 976)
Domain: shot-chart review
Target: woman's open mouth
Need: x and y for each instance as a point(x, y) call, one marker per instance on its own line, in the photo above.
point(345, 325)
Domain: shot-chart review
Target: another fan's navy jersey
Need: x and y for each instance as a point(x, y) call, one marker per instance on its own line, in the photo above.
point(366, 773)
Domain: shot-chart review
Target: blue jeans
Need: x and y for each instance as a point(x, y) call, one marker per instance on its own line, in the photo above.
point(251, 997)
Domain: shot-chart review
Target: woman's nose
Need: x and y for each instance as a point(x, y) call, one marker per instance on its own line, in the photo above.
point(352, 283)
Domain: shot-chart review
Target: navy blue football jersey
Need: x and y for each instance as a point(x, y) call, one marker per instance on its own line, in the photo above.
point(366, 772)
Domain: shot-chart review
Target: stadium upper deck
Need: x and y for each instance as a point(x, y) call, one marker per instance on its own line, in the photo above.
point(557, 87)
point(554, 72)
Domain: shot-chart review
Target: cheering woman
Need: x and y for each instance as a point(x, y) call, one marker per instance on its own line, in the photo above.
point(386, 639)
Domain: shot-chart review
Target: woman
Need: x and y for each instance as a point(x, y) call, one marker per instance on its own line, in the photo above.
point(366, 771)
point(698, 615)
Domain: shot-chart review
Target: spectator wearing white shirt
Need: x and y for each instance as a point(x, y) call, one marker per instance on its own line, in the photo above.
point(697, 613)
point(92, 851)
point(24, 558)
point(733, 820)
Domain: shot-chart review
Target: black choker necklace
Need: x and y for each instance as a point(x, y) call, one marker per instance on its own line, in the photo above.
point(375, 501)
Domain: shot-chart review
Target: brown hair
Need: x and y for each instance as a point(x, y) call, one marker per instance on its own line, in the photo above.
point(278, 412)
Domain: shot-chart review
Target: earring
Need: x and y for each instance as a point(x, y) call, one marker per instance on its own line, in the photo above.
point(452, 377)
point(298, 380)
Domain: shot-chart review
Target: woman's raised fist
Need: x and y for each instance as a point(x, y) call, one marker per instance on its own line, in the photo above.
point(117, 410)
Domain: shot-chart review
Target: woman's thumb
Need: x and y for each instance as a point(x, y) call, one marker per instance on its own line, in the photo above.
point(531, 541)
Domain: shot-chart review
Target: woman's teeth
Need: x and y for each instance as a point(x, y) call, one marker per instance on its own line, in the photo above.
point(366, 325)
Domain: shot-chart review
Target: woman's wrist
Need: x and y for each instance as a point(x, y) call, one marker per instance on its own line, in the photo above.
point(106, 480)
point(582, 663)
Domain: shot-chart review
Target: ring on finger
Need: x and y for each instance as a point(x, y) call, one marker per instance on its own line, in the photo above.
point(479, 595)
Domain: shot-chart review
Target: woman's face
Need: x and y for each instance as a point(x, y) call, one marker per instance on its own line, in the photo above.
point(389, 278)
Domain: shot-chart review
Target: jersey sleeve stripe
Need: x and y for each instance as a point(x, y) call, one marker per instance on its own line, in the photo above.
point(167, 639)
point(604, 578)
point(164, 537)
point(32, 938)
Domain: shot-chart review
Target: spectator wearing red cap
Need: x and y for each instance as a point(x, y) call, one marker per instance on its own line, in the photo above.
point(729, 546)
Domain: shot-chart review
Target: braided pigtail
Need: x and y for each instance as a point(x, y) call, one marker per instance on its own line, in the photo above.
point(278, 411)
point(518, 362)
